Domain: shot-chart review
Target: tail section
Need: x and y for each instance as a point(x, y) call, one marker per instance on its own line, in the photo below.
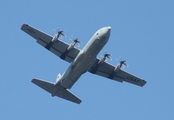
point(56, 90)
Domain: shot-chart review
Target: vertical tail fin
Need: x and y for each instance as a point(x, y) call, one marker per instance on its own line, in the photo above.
point(60, 92)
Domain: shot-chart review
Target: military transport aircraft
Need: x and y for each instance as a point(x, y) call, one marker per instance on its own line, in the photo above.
point(81, 61)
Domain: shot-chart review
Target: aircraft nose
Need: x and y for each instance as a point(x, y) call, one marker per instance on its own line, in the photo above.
point(107, 31)
point(109, 27)
point(104, 33)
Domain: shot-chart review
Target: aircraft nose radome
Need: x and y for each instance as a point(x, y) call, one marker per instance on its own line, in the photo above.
point(109, 27)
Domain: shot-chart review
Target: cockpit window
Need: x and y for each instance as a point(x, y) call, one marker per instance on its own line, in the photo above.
point(97, 33)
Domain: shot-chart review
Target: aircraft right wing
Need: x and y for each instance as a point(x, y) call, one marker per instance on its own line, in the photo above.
point(107, 70)
point(58, 47)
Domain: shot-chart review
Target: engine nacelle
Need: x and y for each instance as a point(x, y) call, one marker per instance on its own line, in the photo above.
point(76, 41)
point(71, 46)
point(58, 35)
point(117, 68)
point(55, 38)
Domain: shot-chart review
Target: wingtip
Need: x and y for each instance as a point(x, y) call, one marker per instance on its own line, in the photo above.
point(79, 102)
point(24, 25)
point(33, 80)
point(144, 83)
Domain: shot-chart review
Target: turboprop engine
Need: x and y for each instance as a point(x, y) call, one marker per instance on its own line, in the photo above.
point(120, 65)
point(75, 41)
point(58, 35)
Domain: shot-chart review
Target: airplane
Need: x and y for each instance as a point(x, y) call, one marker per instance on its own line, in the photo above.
point(81, 61)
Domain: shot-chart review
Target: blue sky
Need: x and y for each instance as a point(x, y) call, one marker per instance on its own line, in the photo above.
point(142, 33)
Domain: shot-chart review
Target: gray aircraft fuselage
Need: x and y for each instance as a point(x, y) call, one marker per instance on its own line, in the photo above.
point(85, 59)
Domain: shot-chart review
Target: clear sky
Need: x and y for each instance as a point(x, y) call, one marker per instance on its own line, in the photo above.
point(142, 34)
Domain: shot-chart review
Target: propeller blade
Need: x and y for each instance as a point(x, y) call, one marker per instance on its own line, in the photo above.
point(60, 33)
point(122, 63)
point(107, 56)
point(75, 41)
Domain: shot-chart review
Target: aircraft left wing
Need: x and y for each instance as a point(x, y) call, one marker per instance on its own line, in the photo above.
point(107, 70)
point(58, 47)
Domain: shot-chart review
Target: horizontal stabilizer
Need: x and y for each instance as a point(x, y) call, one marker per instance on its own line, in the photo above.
point(48, 86)
point(65, 94)
point(56, 91)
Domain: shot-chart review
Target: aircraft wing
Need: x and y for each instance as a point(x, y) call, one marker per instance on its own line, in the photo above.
point(58, 47)
point(107, 70)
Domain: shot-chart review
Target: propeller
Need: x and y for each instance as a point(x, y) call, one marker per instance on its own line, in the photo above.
point(60, 33)
point(75, 42)
point(122, 63)
point(107, 56)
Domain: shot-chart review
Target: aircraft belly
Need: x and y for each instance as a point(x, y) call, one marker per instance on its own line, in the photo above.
point(82, 62)
point(76, 69)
